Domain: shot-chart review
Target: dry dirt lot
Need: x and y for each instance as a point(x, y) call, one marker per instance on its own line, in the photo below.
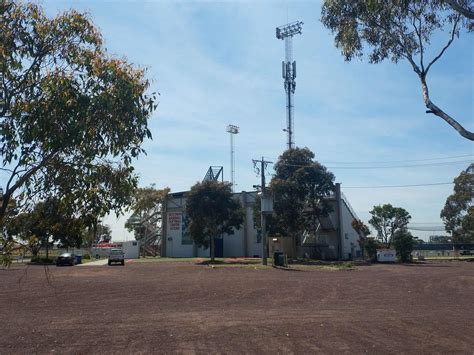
point(187, 308)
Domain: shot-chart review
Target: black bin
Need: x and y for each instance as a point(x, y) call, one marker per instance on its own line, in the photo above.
point(278, 258)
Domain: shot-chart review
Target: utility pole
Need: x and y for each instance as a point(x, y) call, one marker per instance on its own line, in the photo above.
point(266, 204)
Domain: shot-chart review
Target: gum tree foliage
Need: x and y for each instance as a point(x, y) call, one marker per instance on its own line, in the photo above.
point(401, 30)
point(362, 230)
point(72, 117)
point(299, 187)
point(388, 220)
point(147, 204)
point(403, 242)
point(371, 247)
point(47, 221)
point(212, 212)
point(458, 211)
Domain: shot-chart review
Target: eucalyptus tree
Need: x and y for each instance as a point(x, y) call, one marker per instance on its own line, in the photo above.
point(401, 30)
point(212, 212)
point(72, 117)
point(387, 221)
point(458, 211)
point(299, 187)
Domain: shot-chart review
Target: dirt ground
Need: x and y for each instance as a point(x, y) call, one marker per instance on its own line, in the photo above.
point(186, 308)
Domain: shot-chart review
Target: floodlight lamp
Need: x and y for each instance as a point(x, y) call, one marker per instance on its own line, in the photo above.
point(289, 30)
point(232, 129)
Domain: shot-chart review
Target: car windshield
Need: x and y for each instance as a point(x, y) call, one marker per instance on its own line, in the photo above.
point(115, 252)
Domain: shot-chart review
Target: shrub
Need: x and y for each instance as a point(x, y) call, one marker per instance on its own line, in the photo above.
point(371, 246)
point(86, 256)
point(403, 243)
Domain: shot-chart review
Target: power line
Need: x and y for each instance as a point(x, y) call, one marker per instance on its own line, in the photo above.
point(398, 161)
point(427, 229)
point(425, 223)
point(397, 186)
point(394, 161)
point(381, 167)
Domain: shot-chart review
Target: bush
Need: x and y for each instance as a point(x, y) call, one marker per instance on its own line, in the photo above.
point(86, 256)
point(403, 243)
point(371, 246)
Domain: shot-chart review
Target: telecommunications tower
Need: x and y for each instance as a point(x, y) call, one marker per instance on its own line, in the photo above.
point(288, 67)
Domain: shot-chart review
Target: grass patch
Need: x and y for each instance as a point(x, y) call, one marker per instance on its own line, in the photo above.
point(327, 267)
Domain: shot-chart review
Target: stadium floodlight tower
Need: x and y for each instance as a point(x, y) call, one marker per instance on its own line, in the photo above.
point(232, 130)
point(288, 67)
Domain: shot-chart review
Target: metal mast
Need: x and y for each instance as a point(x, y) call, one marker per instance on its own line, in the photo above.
point(232, 130)
point(288, 73)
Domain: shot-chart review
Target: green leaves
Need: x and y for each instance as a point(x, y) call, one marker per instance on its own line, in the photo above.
point(299, 188)
point(388, 220)
point(72, 118)
point(212, 211)
point(458, 211)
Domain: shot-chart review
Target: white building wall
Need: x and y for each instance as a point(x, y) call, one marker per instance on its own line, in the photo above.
point(236, 246)
point(175, 246)
point(350, 245)
point(254, 243)
point(131, 249)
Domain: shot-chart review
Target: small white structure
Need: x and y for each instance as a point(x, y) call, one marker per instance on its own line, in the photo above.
point(131, 249)
point(386, 256)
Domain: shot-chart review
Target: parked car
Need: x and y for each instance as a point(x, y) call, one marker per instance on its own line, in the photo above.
point(66, 259)
point(116, 256)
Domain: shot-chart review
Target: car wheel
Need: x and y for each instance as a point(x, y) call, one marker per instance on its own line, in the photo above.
point(123, 262)
point(109, 263)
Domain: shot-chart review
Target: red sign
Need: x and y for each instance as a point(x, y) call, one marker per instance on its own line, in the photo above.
point(107, 245)
point(174, 221)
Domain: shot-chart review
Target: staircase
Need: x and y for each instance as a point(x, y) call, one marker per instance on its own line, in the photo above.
point(213, 174)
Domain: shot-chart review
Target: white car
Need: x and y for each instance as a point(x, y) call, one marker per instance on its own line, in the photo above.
point(116, 256)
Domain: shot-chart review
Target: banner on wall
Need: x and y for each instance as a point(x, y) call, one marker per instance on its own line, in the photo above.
point(174, 221)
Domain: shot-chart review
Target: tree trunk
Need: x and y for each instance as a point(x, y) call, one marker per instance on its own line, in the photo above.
point(47, 248)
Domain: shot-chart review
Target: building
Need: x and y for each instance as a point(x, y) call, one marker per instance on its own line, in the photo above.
point(333, 239)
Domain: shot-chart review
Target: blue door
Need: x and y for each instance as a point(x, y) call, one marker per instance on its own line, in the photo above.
point(219, 245)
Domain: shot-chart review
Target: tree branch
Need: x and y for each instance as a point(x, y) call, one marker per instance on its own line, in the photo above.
point(432, 108)
point(453, 32)
point(467, 12)
point(420, 40)
point(10, 190)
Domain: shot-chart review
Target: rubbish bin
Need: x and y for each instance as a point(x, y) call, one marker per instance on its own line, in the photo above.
point(278, 258)
point(78, 259)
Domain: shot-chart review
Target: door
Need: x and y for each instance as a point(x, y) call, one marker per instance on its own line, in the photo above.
point(219, 245)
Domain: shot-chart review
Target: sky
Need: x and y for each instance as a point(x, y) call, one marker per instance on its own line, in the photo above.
point(216, 63)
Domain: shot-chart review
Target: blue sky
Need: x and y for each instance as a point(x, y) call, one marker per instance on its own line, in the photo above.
point(216, 63)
